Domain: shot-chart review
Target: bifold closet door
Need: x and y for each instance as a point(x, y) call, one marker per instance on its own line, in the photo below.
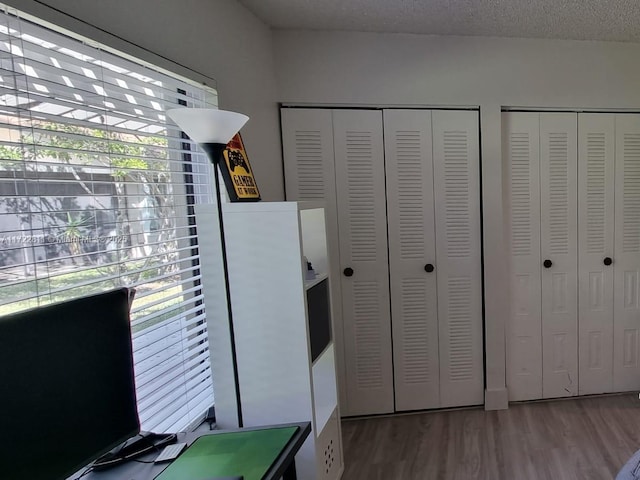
point(433, 191)
point(626, 364)
point(337, 156)
point(559, 242)
point(596, 162)
point(456, 167)
point(360, 188)
point(521, 150)
point(412, 258)
point(541, 154)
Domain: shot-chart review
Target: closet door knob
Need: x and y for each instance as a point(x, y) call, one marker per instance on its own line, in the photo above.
point(547, 263)
point(348, 272)
point(429, 268)
point(608, 261)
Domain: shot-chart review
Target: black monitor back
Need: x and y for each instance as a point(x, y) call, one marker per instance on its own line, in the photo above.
point(67, 391)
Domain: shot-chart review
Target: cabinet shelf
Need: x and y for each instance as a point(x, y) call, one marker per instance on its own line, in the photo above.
point(310, 283)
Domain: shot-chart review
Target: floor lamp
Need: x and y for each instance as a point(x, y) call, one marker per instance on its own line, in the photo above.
point(212, 129)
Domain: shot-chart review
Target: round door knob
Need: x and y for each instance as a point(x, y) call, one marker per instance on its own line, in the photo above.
point(547, 263)
point(608, 261)
point(429, 268)
point(348, 272)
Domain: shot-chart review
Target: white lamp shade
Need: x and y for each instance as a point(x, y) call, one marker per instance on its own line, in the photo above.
point(208, 125)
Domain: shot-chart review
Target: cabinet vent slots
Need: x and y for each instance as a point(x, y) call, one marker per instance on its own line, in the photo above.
point(329, 457)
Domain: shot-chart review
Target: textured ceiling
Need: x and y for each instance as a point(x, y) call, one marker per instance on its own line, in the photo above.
point(617, 20)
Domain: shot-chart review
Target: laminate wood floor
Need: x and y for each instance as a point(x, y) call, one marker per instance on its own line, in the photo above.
point(577, 439)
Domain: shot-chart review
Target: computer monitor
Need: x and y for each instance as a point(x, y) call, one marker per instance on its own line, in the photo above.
point(67, 392)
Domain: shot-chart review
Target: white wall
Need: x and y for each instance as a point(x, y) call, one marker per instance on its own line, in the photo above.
point(369, 68)
point(339, 68)
point(219, 38)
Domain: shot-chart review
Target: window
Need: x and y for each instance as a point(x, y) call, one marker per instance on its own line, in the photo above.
point(97, 191)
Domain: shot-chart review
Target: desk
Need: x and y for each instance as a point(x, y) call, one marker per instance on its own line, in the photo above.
point(282, 466)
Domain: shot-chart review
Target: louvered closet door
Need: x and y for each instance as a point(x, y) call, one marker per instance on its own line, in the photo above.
point(307, 143)
point(596, 162)
point(521, 150)
point(456, 166)
point(308, 152)
point(627, 254)
point(360, 186)
point(410, 211)
point(559, 214)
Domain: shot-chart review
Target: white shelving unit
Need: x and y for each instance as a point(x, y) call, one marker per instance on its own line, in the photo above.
point(279, 382)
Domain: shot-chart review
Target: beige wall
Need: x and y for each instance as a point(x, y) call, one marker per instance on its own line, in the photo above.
point(340, 68)
point(220, 39)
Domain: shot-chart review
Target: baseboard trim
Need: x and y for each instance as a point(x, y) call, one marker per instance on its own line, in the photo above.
point(496, 399)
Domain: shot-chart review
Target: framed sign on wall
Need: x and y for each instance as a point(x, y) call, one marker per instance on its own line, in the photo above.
point(237, 174)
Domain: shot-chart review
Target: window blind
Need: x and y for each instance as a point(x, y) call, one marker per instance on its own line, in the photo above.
point(96, 192)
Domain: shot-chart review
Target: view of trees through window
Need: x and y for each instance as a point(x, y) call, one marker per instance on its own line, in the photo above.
point(88, 207)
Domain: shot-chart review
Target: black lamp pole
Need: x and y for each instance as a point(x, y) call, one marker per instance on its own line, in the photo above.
point(215, 153)
point(212, 129)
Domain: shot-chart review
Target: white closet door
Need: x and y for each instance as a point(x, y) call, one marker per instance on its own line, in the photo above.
point(307, 144)
point(456, 166)
point(559, 215)
point(627, 255)
point(596, 162)
point(360, 185)
point(412, 258)
point(521, 150)
point(308, 153)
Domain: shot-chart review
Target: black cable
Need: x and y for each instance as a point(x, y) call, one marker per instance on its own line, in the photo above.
point(86, 472)
point(142, 461)
point(111, 461)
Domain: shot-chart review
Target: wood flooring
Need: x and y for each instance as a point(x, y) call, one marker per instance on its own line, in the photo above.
point(577, 439)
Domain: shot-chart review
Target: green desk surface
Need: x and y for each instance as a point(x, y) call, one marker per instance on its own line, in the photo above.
point(249, 453)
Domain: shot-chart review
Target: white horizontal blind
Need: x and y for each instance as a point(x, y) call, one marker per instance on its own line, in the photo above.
point(96, 191)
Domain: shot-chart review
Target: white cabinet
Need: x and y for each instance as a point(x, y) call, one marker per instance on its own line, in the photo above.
point(285, 353)
point(574, 188)
point(406, 207)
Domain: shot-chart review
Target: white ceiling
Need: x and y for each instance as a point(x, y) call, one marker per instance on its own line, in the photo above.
point(617, 20)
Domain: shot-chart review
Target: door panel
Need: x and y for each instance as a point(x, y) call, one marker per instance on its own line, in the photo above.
point(360, 183)
point(456, 166)
point(410, 210)
point(307, 144)
point(596, 162)
point(521, 148)
point(558, 200)
point(626, 365)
